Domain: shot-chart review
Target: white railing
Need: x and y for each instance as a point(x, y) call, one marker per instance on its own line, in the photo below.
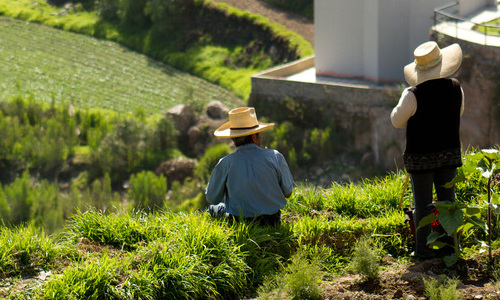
point(449, 14)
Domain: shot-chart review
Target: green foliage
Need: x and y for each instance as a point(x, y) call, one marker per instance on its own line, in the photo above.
point(93, 73)
point(458, 217)
point(368, 198)
point(89, 280)
point(442, 288)
point(266, 248)
point(141, 25)
point(366, 259)
point(26, 248)
point(209, 160)
point(302, 146)
point(301, 280)
point(44, 140)
point(148, 191)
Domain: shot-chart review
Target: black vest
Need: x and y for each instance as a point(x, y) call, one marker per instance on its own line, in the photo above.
point(432, 133)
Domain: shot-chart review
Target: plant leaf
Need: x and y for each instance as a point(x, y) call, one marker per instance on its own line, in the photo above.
point(483, 167)
point(473, 210)
point(450, 260)
point(451, 220)
point(433, 236)
point(478, 222)
point(459, 178)
point(426, 220)
point(437, 245)
point(495, 207)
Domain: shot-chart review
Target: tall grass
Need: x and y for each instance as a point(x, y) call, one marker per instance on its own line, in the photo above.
point(26, 249)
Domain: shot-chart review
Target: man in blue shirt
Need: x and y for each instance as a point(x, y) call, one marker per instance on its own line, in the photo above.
point(252, 182)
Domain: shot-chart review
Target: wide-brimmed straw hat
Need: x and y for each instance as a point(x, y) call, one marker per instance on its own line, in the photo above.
point(433, 63)
point(242, 121)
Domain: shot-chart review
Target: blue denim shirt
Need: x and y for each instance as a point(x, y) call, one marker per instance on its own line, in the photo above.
point(252, 181)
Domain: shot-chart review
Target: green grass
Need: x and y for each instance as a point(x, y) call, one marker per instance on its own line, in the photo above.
point(90, 73)
point(489, 30)
point(194, 60)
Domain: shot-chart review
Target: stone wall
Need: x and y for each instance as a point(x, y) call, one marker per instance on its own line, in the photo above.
point(360, 114)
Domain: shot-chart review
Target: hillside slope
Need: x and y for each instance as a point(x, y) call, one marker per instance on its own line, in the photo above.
point(292, 21)
point(92, 73)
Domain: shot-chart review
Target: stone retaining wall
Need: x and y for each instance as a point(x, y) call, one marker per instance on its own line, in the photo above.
point(360, 114)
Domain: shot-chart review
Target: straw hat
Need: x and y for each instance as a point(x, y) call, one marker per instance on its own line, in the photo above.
point(433, 63)
point(242, 121)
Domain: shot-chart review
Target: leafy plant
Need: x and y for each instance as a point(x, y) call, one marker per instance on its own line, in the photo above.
point(209, 160)
point(148, 191)
point(366, 259)
point(301, 280)
point(458, 217)
point(442, 288)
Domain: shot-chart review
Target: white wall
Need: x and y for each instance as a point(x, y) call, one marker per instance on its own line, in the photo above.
point(393, 38)
point(467, 7)
point(370, 39)
point(374, 39)
point(339, 36)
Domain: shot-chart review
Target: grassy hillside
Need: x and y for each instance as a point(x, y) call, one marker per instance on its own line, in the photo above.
point(193, 52)
point(89, 72)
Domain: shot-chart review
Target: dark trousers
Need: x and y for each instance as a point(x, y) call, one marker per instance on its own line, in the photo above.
point(219, 210)
point(422, 185)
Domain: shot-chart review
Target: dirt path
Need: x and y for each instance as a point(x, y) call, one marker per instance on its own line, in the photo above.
point(294, 22)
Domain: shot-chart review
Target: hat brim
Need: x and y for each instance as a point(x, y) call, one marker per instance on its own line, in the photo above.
point(225, 130)
point(451, 61)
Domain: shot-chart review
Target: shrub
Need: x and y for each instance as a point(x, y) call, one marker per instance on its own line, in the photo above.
point(442, 288)
point(303, 278)
point(365, 261)
point(209, 160)
point(20, 197)
point(303, 7)
point(148, 191)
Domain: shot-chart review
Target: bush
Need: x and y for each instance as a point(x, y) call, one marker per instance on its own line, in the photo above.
point(301, 280)
point(365, 261)
point(442, 288)
point(148, 191)
point(209, 161)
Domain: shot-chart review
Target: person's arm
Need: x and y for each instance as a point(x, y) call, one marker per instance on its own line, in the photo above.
point(407, 106)
point(286, 180)
point(215, 190)
point(463, 102)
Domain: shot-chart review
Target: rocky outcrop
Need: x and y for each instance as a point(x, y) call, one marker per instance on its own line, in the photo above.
point(177, 169)
point(196, 130)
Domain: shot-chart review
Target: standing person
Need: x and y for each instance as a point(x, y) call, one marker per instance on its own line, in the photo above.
point(430, 109)
point(253, 182)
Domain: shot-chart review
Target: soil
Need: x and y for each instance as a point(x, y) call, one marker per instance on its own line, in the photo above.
point(405, 280)
point(292, 21)
point(398, 280)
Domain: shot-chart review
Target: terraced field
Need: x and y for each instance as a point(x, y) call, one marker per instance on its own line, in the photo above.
point(92, 73)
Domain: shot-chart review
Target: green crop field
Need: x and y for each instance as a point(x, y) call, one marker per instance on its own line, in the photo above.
point(52, 63)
